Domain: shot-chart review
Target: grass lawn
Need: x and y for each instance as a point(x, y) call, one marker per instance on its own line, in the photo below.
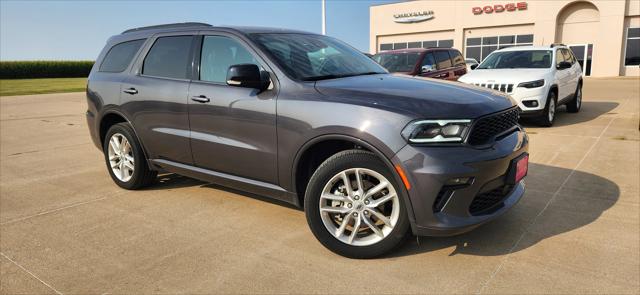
point(38, 86)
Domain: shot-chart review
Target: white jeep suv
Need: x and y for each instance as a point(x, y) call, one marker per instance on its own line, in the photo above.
point(538, 78)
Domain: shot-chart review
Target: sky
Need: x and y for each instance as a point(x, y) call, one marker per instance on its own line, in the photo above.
point(77, 30)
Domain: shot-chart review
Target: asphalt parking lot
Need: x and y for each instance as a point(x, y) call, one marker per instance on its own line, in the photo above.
point(65, 227)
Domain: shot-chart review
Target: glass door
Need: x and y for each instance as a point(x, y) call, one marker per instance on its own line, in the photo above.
point(583, 53)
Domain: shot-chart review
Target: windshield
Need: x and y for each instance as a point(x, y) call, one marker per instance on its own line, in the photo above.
point(398, 62)
point(527, 59)
point(313, 57)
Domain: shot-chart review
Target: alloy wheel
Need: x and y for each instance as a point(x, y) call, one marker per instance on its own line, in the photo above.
point(121, 158)
point(552, 110)
point(359, 207)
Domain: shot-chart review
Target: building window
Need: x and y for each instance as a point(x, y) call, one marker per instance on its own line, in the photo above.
point(387, 46)
point(415, 44)
point(399, 45)
point(479, 48)
point(424, 44)
point(632, 50)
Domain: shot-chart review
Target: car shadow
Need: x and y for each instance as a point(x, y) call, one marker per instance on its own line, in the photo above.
point(590, 110)
point(581, 201)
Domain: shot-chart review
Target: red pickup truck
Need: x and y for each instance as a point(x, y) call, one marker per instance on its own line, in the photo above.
point(440, 63)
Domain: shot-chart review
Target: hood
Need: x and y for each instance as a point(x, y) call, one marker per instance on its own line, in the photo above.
point(421, 98)
point(503, 76)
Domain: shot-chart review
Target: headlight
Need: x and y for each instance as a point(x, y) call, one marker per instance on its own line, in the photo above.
point(436, 131)
point(532, 84)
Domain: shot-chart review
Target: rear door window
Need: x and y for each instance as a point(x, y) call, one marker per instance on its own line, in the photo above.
point(169, 57)
point(119, 56)
point(443, 61)
point(456, 58)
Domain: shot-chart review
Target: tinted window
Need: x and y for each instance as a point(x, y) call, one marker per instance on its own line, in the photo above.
point(489, 40)
point(443, 60)
point(445, 43)
point(486, 50)
point(399, 45)
point(507, 39)
point(429, 60)
point(398, 62)
point(632, 50)
point(473, 41)
point(415, 44)
point(120, 56)
point(525, 38)
point(456, 57)
point(218, 54)
point(473, 52)
point(632, 56)
point(168, 57)
point(427, 44)
point(387, 46)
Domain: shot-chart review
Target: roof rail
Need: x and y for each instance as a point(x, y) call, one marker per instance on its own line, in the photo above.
point(166, 26)
point(557, 44)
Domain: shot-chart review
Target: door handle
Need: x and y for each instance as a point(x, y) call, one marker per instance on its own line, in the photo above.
point(131, 91)
point(200, 98)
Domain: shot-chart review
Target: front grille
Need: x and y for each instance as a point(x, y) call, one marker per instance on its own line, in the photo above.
point(507, 88)
point(488, 202)
point(487, 128)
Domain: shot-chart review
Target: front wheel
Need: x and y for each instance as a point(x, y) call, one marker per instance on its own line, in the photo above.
point(549, 114)
point(354, 206)
point(574, 105)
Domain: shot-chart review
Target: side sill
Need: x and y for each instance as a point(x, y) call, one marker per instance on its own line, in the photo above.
point(231, 181)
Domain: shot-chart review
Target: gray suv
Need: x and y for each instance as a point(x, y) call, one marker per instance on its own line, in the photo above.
point(309, 120)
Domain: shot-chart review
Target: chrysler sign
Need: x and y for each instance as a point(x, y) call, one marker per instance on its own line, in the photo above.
point(499, 8)
point(413, 17)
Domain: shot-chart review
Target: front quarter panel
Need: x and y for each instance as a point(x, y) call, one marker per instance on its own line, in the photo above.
point(303, 116)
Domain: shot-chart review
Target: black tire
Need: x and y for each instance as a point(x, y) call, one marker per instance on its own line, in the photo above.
point(332, 166)
point(546, 120)
point(142, 176)
point(574, 105)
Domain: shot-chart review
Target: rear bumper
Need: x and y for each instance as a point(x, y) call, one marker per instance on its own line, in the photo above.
point(442, 209)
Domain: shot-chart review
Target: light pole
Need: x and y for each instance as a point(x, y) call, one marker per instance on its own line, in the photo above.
point(324, 19)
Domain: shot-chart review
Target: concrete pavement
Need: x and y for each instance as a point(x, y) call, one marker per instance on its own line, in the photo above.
point(66, 228)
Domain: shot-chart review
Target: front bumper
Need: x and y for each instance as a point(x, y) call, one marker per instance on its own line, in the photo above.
point(526, 98)
point(443, 210)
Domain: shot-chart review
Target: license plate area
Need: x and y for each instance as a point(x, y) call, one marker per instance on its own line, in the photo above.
point(518, 169)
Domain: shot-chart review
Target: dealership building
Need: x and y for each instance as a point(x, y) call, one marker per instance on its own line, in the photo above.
point(604, 35)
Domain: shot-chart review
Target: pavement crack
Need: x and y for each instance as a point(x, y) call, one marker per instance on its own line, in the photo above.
point(31, 274)
point(54, 210)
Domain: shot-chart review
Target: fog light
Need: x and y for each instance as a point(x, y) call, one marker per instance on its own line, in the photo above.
point(459, 181)
point(530, 103)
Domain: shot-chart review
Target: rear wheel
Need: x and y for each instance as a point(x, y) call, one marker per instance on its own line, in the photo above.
point(125, 159)
point(354, 206)
point(549, 114)
point(574, 105)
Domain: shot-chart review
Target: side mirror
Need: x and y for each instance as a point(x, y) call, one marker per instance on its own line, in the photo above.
point(248, 76)
point(564, 65)
point(474, 66)
point(427, 69)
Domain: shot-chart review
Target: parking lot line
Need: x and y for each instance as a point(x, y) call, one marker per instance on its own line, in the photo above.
point(555, 194)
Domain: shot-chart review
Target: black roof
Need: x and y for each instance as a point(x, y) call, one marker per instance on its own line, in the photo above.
point(205, 26)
